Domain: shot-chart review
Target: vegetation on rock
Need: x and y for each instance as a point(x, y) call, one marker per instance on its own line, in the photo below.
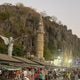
point(18, 21)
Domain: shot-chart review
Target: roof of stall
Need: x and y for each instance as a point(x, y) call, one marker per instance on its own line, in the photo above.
point(28, 61)
point(4, 57)
point(24, 60)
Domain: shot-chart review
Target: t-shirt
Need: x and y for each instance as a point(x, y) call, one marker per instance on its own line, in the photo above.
point(41, 76)
point(25, 73)
point(26, 78)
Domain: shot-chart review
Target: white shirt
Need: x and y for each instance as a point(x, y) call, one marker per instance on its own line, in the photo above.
point(25, 73)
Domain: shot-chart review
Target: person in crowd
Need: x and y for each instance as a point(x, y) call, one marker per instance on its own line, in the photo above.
point(25, 74)
point(36, 75)
point(78, 74)
point(72, 75)
point(41, 76)
point(50, 76)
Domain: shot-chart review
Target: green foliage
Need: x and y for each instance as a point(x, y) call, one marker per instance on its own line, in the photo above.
point(3, 49)
point(47, 54)
point(4, 16)
point(18, 51)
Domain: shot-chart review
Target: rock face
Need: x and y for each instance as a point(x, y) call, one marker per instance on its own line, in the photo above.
point(19, 21)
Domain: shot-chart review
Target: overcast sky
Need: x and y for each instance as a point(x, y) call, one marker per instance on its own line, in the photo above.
point(67, 11)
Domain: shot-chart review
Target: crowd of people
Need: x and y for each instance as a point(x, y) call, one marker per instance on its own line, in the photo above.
point(64, 74)
point(23, 74)
point(40, 74)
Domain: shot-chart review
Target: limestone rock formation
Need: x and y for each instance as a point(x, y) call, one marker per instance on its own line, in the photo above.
point(18, 21)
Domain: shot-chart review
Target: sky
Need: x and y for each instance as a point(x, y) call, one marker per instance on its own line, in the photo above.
point(67, 11)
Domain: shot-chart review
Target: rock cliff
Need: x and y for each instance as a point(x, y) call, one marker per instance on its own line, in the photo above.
point(18, 21)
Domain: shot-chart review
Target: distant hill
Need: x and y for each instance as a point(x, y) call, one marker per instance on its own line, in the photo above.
point(18, 21)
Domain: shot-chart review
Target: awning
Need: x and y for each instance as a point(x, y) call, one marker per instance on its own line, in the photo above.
point(11, 68)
